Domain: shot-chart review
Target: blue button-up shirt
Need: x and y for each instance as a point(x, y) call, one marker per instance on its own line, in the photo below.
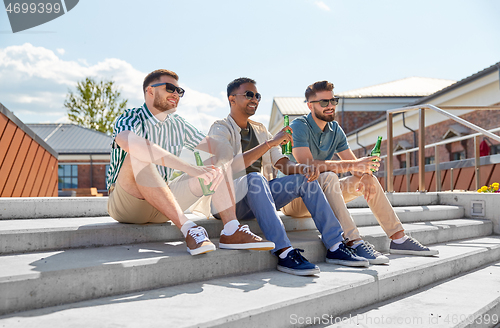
point(323, 144)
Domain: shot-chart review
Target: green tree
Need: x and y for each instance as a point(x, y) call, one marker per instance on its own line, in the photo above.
point(95, 105)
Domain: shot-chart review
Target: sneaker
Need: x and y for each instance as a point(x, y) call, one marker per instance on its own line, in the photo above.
point(345, 256)
point(295, 263)
point(243, 238)
point(411, 247)
point(369, 252)
point(197, 241)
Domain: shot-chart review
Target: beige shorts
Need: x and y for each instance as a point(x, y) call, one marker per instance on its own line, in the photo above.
point(125, 208)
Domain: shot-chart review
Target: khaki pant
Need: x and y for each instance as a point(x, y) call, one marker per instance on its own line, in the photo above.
point(338, 192)
point(125, 208)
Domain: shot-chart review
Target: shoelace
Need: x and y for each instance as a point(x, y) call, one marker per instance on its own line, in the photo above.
point(346, 249)
point(367, 248)
point(296, 256)
point(372, 248)
point(198, 234)
point(246, 229)
point(416, 242)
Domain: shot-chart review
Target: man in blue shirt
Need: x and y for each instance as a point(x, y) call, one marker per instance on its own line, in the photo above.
point(316, 139)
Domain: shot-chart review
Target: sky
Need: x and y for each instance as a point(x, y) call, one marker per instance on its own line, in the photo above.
point(284, 45)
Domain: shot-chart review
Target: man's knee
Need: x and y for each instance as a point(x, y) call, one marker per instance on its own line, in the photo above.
point(329, 182)
point(257, 183)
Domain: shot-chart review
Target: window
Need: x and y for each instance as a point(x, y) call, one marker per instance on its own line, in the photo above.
point(495, 149)
point(429, 160)
point(458, 155)
point(403, 164)
point(68, 176)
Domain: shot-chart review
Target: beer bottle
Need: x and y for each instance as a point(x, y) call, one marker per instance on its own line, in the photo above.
point(205, 188)
point(376, 150)
point(286, 149)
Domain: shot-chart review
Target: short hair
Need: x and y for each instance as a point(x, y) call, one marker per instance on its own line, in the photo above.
point(316, 87)
point(156, 75)
point(235, 84)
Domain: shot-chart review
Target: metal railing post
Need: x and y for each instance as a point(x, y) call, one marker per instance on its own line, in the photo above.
point(421, 150)
point(451, 180)
point(476, 162)
point(438, 171)
point(408, 171)
point(389, 167)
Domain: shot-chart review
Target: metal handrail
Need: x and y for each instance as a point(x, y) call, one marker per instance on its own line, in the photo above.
point(421, 140)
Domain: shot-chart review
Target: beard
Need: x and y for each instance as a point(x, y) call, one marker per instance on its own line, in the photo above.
point(163, 105)
point(324, 117)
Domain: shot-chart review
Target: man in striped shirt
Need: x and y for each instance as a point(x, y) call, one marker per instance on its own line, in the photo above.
point(147, 143)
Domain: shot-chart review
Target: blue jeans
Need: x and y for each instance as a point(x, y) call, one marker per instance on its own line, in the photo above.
point(264, 197)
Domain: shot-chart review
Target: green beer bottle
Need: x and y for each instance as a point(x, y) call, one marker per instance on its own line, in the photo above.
point(286, 149)
point(205, 188)
point(376, 150)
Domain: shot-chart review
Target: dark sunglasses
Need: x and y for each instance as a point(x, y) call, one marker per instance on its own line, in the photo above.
point(324, 102)
point(249, 95)
point(171, 88)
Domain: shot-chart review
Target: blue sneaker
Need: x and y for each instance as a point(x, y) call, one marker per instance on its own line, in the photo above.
point(345, 256)
point(295, 263)
point(366, 250)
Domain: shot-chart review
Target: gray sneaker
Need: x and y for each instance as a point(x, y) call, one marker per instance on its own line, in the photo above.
point(411, 247)
point(369, 252)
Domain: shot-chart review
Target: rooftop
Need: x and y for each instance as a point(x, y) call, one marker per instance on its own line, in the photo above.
point(72, 139)
point(408, 87)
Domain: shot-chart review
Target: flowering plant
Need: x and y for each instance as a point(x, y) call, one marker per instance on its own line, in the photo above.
point(492, 188)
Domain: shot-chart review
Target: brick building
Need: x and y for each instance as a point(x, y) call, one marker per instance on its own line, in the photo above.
point(480, 89)
point(84, 154)
point(362, 106)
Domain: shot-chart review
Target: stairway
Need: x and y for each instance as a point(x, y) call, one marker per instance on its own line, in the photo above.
point(64, 261)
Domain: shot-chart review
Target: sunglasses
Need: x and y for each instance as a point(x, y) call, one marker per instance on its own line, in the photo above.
point(249, 95)
point(324, 102)
point(171, 88)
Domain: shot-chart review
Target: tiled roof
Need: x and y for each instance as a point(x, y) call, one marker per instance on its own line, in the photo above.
point(72, 139)
point(408, 87)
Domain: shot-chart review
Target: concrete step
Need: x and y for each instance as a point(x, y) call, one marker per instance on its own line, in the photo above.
point(261, 299)
point(18, 236)
point(364, 216)
point(69, 207)
point(42, 279)
point(469, 300)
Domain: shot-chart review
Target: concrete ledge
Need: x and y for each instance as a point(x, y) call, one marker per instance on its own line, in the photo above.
point(262, 299)
point(52, 207)
point(458, 302)
point(19, 236)
point(491, 202)
point(73, 207)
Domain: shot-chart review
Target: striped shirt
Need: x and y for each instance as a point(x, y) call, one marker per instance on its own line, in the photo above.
point(172, 134)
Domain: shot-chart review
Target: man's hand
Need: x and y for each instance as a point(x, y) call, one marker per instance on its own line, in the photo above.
point(309, 171)
point(367, 186)
point(366, 164)
point(282, 137)
point(208, 174)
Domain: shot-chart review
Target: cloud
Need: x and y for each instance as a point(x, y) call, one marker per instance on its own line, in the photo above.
point(34, 82)
point(321, 5)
